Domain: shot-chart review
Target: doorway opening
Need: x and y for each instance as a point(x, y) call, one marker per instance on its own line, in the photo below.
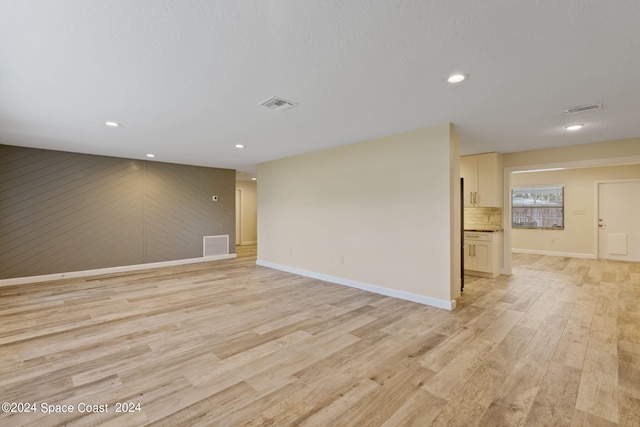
point(246, 213)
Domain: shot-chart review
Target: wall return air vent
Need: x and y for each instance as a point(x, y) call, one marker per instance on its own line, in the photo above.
point(278, 104)
point(583, 109)
point(215, 245)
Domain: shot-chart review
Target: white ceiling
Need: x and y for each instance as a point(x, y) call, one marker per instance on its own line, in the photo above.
point(184, 78)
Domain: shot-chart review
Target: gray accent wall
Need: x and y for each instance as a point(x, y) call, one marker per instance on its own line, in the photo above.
point(62, 212)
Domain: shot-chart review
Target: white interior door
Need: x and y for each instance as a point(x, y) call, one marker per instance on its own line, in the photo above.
point(619, 220)
point(238, 216)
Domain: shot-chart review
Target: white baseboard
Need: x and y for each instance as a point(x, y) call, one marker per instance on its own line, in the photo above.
point(554, 253)
point(99, 271)
point(421, 299)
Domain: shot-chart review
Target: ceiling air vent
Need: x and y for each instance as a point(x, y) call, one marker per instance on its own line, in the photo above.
point(278, 104)
point(583, 108)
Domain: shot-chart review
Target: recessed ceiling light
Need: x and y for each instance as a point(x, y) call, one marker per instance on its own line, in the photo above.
point(457, 78)
point(112, 124)
point(254, 179)
point(239, 146)
point(574, 127)
point(151, 156)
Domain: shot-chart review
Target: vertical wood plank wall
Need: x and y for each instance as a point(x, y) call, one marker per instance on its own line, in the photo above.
point(63, 212)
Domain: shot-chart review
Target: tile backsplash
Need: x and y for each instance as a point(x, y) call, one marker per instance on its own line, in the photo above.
point(483, 218)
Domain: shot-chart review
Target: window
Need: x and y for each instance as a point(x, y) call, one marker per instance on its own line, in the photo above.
point(538, 207)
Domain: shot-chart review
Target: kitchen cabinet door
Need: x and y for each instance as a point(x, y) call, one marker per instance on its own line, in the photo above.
point(482, 175)
point(488, 188)
point(482, 256)
point(468, 171)
point(468, 258)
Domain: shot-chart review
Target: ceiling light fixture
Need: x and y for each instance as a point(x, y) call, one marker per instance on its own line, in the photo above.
point(151, 156)
point(254, 179)
point(239, 146)
point(457, 78)
point(574, 127)
point(112, 124)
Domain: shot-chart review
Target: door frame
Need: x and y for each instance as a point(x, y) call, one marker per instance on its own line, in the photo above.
point(596, 210)
point(238, 208)
point(506, 188)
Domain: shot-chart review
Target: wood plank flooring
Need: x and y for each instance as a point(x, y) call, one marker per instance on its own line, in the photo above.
point(229, 343)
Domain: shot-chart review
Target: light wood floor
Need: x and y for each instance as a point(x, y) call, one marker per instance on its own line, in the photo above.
point(229, 343)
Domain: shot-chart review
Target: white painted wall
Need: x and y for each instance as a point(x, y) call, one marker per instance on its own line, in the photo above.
point(381, 214)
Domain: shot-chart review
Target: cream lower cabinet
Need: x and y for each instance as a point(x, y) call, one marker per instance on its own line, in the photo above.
point(482, 254)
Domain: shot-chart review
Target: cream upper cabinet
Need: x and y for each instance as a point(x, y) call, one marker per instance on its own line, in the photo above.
point(469, 172)
point(482, 175)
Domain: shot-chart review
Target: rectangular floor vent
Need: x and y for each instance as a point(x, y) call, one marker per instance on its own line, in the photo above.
point(215, 245)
